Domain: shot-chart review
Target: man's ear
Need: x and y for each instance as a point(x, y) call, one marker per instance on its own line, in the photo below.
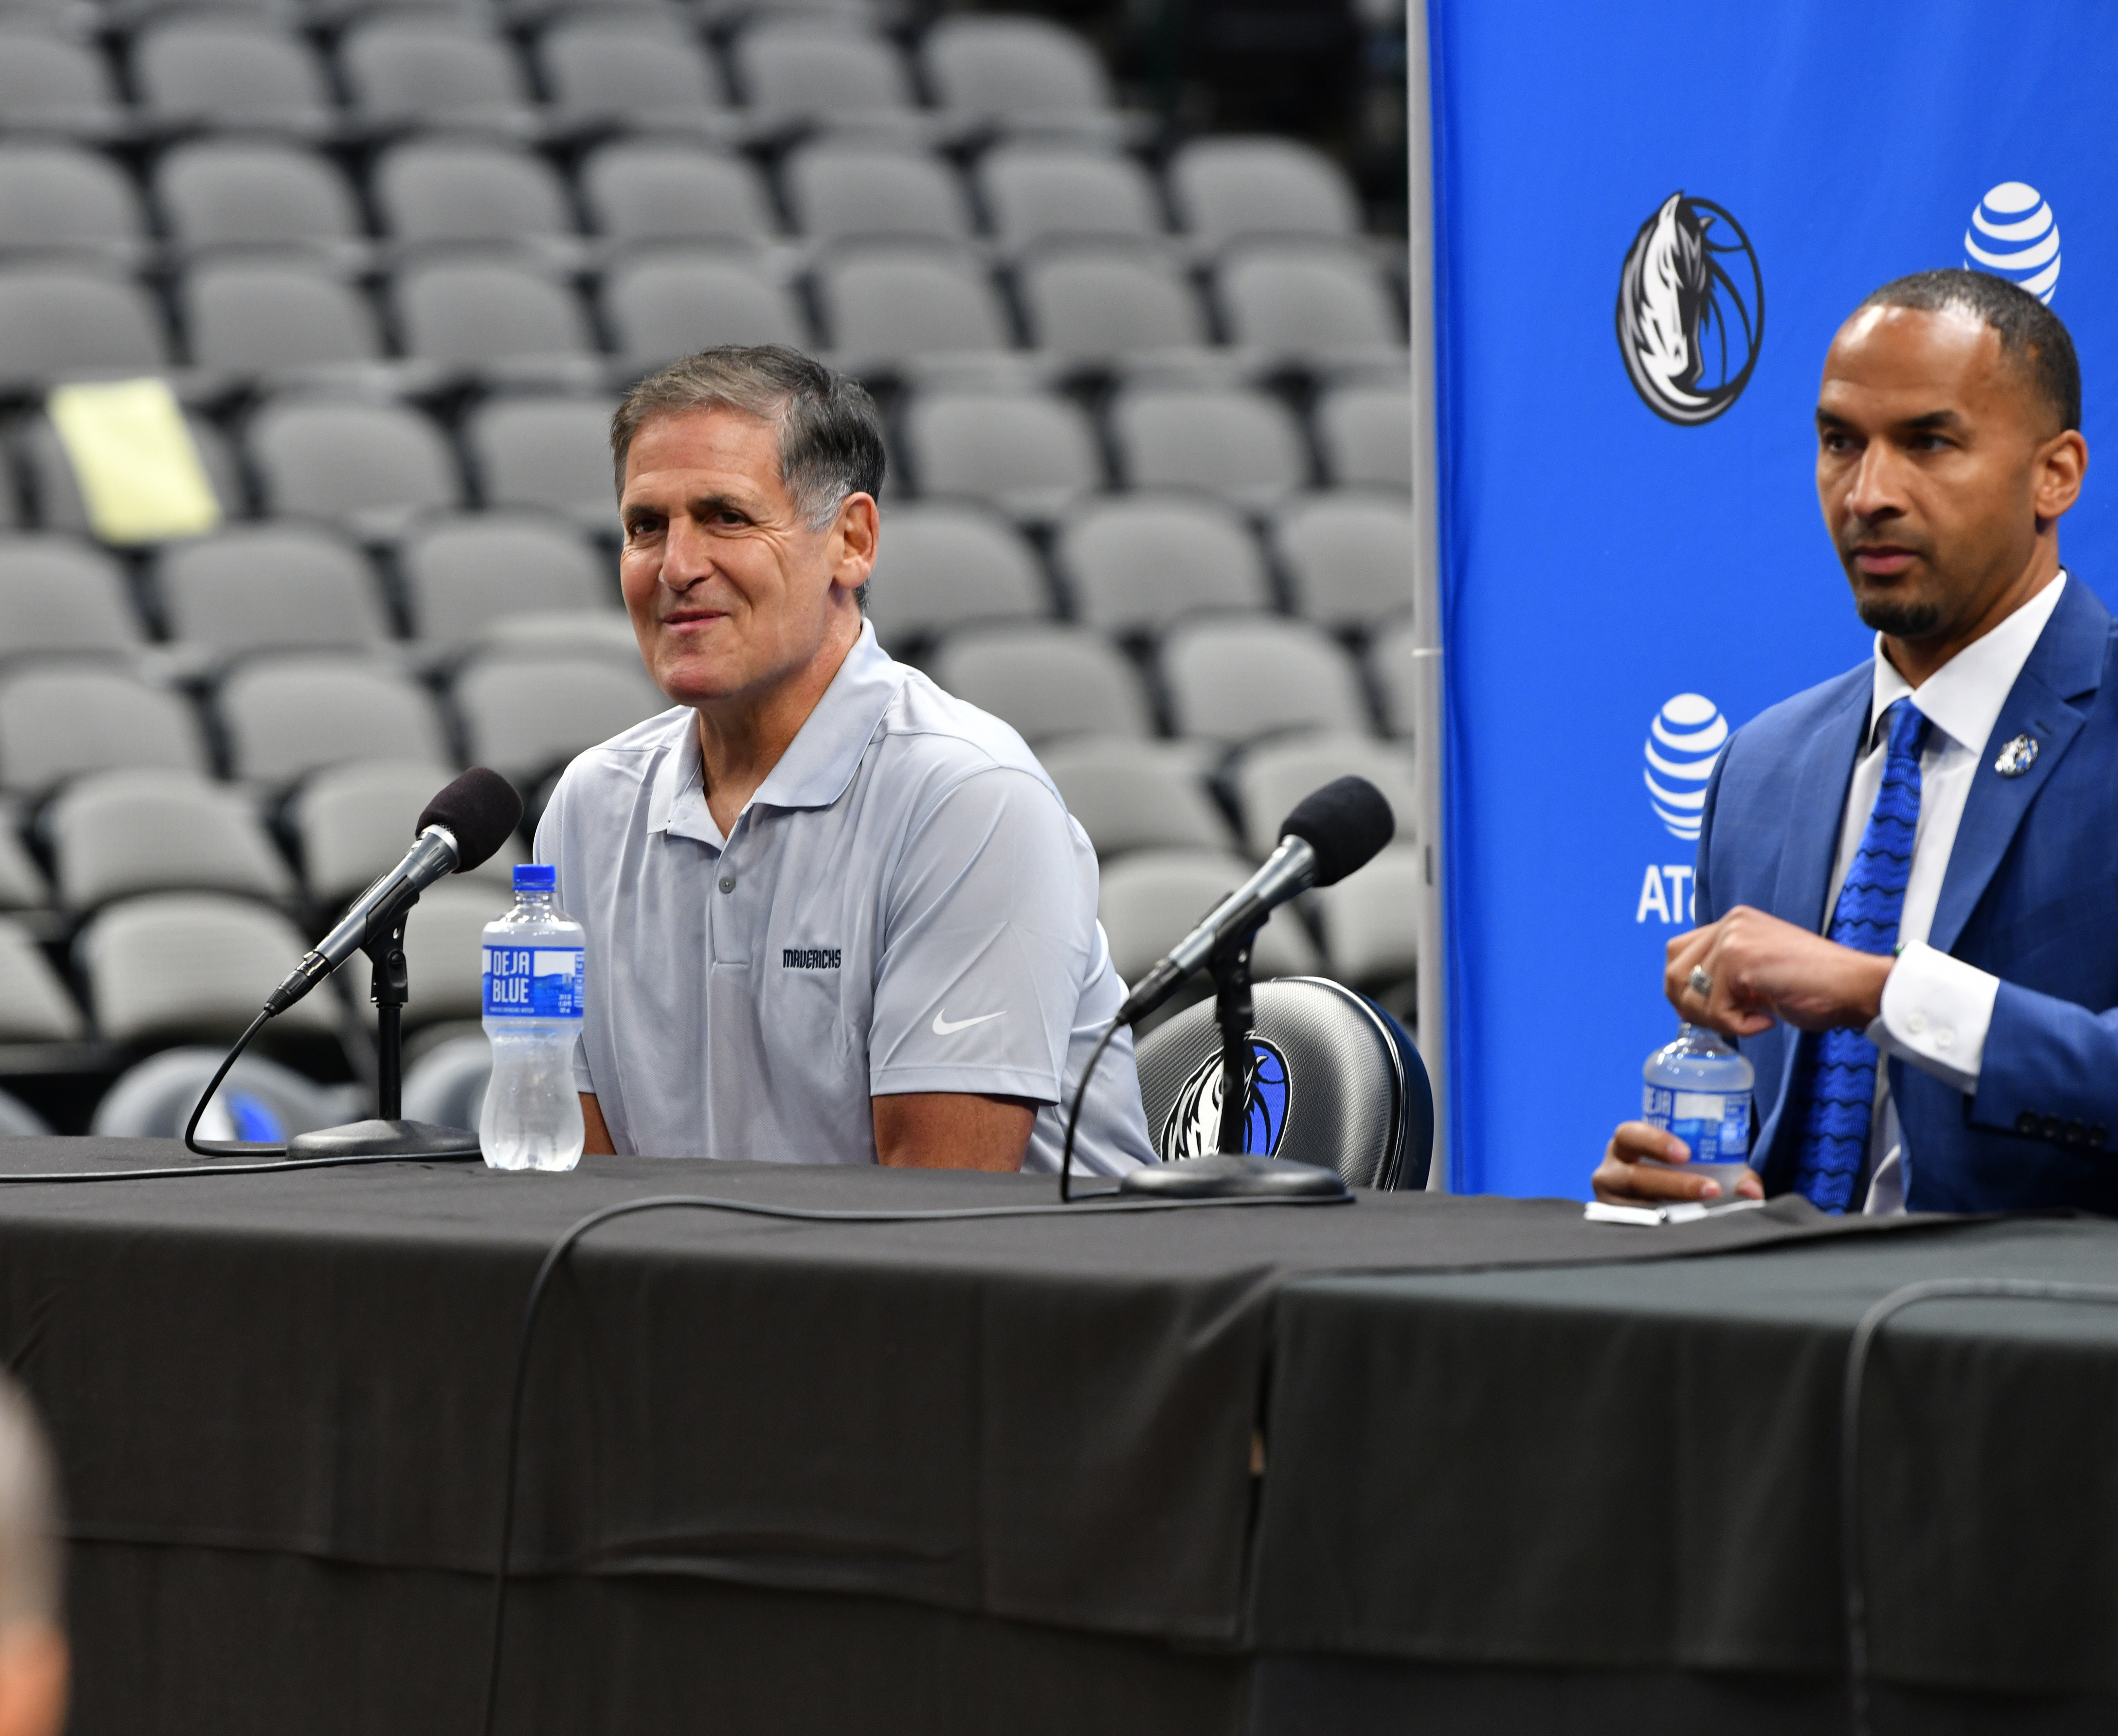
point(2062, 463)
point(856, 534)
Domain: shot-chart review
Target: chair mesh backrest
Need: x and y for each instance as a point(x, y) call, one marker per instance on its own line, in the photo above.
point(466, 311)
point(1223, 188)
point(1151, 898)
point(1366, 432)
point(48, 83)
point(259, 314)
point(523, 715)
point(329, 461)
point(230, 72)
point(841, 189)
point(1272, 777)
point(892, 303)
point(548, 452)
point(34, 1006)
point(1279, 299)
point(1130, 796)
point(641, 71)
point(1046, 681)
point(120, 833)
point(57, 594)
point(285, 716)
point(1349, 556)
point(59, 503)
point(1243, 444)
point(1035, 191)
point(58, 722)
point(661, 308)
point(190, 964)
point(60, 196)
point(650, 189)
point(439, 69)
point(463, 573)
point(56, 322)
point(1099, 302)
point(254, 586)
point(1030, 447)
point(1393, 669)
point(458, 191)
point(1137, 563)
point(1235, 680)
point(807, 67)
point(354, 822)
point(941, 565)
point(239, 193)
point(1011, 69)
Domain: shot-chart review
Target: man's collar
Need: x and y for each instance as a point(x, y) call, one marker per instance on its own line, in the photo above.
point(1962, 699)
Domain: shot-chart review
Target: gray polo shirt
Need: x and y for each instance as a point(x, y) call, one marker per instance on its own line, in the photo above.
point(905, 905)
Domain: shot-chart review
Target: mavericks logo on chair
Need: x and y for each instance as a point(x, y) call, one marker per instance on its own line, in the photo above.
point(1194, 1127)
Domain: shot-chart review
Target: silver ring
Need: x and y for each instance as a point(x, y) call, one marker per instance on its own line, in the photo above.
point(1702, 985)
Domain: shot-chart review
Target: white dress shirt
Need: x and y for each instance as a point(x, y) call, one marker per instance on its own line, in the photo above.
point(1936, 1009)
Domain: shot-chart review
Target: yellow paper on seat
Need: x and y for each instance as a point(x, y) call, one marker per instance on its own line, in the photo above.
point(135, 459)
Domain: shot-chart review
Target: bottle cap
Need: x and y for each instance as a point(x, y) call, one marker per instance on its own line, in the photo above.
point(536, 877)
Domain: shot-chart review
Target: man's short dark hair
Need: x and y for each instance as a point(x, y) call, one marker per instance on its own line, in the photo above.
point(2034, 338)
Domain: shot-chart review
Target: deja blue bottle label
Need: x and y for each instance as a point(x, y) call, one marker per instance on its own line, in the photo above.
point(1715, 1125)
point(535, 982)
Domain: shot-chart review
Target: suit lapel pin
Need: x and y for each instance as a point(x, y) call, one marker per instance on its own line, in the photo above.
point(2017, 757)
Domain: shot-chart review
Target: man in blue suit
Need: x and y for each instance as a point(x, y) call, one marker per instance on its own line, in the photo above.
point(1907, 877)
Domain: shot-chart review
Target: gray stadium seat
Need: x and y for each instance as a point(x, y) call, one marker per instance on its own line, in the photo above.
point(447, 1085)
point(1136, 795)
point(1040, 191)
point(271, 586)
point(886, 304)
point(465, 572)
point(414, 70)
point(444, 961)
point(191, 964)
point(354, 822)
point(1371, 918)
point(1270, 778)
point(58, 322)
point(1151, 898)
point(1046, 679)
point(1391, 665)
point(18, 1120)
point(643, 71)
point(523, 715)
point(49, 84)
point(1016, 72)
point(1030, 453)
point(1244, 445)
point(1101, 303)
point(493, 317)
point(1349, 556)
point(848, 189)
point(553, 453)
point(59, 595)
point(250, 74)
point(663, 191)
point(252, 193)
point(34, 1006)
point(118, 834)
point(58, 722)
point(285, 716)
point(57, 492)
point(1365, 433)
point(366, 464)
point(459, 192)
point(941, 565)
point(1137, 563)
point(59, 198)
point(1236, 680)
point(1224, 188)
point(661, 308)
point(805, 69)
point(262, 1100)
point(270, 317)
point(22, 885)
point(1311, 305)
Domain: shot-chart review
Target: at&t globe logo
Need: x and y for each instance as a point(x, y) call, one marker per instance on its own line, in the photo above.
point(1684, 741)
point(1691, 311)
point(2013, 234)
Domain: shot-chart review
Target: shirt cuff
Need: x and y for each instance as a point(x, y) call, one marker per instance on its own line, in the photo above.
point(1936, 1011)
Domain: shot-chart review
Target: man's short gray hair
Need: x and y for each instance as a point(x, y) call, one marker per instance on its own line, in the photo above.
point(28, 1516)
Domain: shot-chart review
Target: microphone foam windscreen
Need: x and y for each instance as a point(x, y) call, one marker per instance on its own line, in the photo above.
point(480, 809)
point(1345, 823)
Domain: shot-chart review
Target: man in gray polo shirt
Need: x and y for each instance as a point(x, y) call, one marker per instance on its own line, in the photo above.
point(834, 914)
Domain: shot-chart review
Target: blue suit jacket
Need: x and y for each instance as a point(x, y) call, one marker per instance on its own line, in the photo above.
point(2031, 895)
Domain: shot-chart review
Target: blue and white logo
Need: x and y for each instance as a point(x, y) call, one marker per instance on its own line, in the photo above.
point(2013, 234)
point(1683, 743)
point(1194, 1127)
point(1691, 311)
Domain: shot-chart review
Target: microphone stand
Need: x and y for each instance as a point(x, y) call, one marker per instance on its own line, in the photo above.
point(388, 1134)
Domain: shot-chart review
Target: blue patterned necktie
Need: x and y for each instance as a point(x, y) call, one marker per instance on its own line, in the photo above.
point(1841, 1082)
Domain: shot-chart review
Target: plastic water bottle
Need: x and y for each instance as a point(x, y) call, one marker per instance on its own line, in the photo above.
point(1699, 1088)
point(535, 979)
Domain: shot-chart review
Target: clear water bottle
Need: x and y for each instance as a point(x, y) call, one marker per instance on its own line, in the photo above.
point(536, 979)
point(1699, 1088)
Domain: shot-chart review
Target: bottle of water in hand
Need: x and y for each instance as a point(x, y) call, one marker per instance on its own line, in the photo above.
point(1699, 1089)
point(536, 976)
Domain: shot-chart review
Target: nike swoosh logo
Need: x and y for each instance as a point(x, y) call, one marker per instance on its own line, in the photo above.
point(950, 1027)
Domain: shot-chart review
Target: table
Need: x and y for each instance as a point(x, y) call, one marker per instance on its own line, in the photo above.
point(963, 1475)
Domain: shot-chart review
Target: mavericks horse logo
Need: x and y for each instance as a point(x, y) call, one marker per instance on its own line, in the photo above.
point(1194, 1127)
point(1691, 311)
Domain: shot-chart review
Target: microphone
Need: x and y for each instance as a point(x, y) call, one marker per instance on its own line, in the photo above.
point(461, 828)
point(1331, 832)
